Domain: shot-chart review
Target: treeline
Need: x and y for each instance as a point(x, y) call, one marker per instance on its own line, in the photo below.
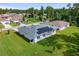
point(70, 14)
point(3, 11)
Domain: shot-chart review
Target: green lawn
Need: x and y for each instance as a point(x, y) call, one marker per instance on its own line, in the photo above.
point(30, 21)
point(1, 26)
point(60, 44)
point(14, 24)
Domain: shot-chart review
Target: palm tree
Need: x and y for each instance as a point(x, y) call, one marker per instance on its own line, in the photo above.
point(50, 12)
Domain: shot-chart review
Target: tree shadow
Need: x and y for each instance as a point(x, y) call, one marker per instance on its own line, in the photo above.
point(74, 38)
point(27, 40)
point(77, 25)
point(71, 42)
point(71, 52)
point(53, 41)
point(49, 41)
point(76, 41)
point(73, 46)
point(48, 51)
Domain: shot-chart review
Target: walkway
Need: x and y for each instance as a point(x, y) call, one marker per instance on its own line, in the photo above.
point(6, 25)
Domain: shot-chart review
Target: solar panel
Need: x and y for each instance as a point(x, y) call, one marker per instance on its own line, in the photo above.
point(44, 29)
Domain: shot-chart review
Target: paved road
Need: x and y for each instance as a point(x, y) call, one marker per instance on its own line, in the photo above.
point(6, 25)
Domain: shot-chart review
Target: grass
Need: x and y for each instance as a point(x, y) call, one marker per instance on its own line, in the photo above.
point(31, 21)
point(1, 26)
point(14, 24)
point(15, 44)
point(64, 38)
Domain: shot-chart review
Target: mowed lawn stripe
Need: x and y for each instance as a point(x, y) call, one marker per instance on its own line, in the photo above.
point(13, 44)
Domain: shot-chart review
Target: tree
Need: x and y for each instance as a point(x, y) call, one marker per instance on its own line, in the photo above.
point(76, 11)
point(76, 5)
point(36, 11)
point(42, 10)
point(41, 13)
point(24, 17)
point(50, 12)
point(40, 17)
point(8, 31)
point(57, 14)
point(31, 11)
point(70, 15)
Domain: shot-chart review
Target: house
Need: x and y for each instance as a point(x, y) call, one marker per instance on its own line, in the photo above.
point(16, 17)
point(59, 24)
point(4, 18)
point(11, 17)
point(36, 33)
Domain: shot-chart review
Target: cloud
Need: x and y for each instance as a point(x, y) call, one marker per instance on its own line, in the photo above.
point(8, 7)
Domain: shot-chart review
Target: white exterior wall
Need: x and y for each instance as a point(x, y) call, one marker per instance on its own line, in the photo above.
point(42, 37)
point(15, 21)
point(5, 21)
point(64, 27)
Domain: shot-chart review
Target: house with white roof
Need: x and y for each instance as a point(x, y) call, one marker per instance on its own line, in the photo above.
point(58, 23)
point(36, 33)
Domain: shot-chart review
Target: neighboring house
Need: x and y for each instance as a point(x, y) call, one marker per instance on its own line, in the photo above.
point(11, 17)
point(59, 24)
point(36, 33)
point(5, 21)
point(4, 18)
point(16, 17)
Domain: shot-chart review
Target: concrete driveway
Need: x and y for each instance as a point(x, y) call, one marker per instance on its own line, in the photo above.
point(6, 25)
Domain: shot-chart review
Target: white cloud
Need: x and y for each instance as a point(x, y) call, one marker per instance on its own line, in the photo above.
point(8, 7)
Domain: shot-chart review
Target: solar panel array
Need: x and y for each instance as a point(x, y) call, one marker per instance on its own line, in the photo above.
point(44, 29)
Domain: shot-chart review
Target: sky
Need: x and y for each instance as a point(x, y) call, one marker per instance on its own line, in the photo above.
point(29, 5)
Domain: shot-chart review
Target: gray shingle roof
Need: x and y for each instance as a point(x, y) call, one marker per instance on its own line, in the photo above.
point(58, 23)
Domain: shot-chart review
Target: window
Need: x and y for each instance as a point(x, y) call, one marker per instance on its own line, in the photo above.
point(32, 40)
point(44, 35)
point(38, 37)
point(48, 33)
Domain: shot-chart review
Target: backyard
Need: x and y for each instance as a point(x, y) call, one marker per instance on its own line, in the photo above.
point(65, 42)
point(30, 21)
